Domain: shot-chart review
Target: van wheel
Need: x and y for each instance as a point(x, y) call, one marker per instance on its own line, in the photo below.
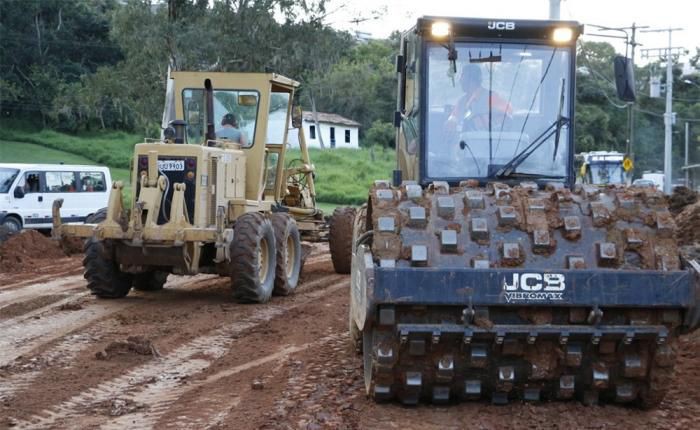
point(253, 259)
point(153, 280)
point(13, 224)
point(105, 280)
point(288, 257)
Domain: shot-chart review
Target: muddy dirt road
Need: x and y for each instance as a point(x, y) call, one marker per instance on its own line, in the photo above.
point(190, 357)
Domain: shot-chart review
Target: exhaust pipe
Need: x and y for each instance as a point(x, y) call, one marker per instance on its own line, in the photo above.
point(211, 134)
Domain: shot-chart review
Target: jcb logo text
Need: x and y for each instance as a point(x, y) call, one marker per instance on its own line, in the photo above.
point(501, 25)
point(534, 287)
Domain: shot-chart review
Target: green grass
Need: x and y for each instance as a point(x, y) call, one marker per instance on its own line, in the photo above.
point(343, 176)
point(327, 208)
point(113, 149)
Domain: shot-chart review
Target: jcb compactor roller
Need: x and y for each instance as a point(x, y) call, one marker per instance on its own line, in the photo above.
point(217, 194)
point(480, 271)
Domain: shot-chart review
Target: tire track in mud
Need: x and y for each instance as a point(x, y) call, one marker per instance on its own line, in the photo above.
point(189, 359)
point(14, 280)
point(33, 290)
point(61, 355)
point(160, 398)
point(212, 410)
point(21, 337)
point(27, 332)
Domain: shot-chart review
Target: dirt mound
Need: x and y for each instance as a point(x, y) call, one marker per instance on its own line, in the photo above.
point(688, 222)
point(23, 250)
point(681, 197)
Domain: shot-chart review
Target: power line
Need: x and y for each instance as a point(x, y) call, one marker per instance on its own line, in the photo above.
point(661, 115)
point(675, 99)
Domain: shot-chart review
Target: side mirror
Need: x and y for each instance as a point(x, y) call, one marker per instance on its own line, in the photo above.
point(19, 193)
point(624, 79)
point(247, 100)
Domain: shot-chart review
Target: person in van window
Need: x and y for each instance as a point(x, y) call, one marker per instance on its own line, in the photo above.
point(87, 184)
point(31, 184)
point(230, 130)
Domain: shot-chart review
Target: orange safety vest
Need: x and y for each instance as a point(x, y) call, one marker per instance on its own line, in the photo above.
point(498, 105)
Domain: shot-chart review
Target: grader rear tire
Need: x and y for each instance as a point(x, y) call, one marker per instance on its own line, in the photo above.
point(288, 259)
point(253, 259)
point(105, 280)
point(340, 238)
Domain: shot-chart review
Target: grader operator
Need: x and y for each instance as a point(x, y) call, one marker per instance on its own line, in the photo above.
point(204, 203)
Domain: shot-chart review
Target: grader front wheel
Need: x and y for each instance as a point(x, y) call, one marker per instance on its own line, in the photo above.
point(105, 280)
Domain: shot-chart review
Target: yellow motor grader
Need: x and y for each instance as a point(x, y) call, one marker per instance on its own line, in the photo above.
point(203, 203)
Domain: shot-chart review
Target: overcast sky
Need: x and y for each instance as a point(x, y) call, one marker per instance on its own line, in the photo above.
point(402, 14)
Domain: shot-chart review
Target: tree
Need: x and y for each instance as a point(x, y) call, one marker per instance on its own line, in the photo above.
point(380, 134)
point(361, 86)
point(47, 43)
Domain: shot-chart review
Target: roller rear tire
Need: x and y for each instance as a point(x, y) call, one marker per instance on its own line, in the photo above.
point(340, 238)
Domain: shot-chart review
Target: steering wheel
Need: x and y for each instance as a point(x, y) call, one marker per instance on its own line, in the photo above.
point(299, 179)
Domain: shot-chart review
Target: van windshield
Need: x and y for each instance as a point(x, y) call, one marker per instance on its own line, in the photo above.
point(7, 177)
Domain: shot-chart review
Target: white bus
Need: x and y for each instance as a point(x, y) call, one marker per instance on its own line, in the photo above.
point(27, 193)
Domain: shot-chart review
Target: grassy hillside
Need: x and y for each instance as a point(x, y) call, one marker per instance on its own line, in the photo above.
point(343, 176)
point(111, 149)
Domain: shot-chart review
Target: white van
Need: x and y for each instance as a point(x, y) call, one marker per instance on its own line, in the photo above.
point(27, 193)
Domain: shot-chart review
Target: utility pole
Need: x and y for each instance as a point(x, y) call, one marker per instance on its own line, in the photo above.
point(668, 54)
point(554, 9)
point(630, 107)
point(687, 171)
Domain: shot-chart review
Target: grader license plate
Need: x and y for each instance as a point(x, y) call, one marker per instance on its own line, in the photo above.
point(171, 165)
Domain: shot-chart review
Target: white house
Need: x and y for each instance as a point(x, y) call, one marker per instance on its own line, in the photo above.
point(337, 131)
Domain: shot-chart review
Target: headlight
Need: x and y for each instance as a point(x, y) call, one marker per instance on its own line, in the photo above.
point(440, 29)
point(562, 34)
